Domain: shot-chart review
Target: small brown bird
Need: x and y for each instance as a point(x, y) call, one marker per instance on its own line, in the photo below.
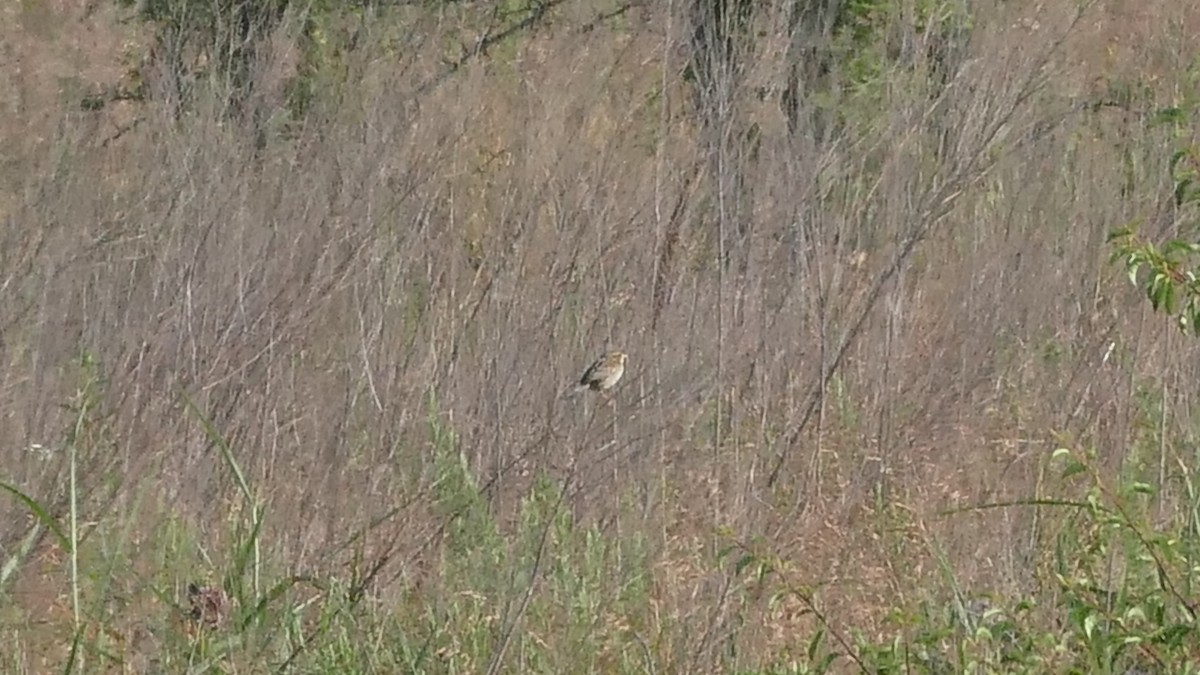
point(605, 372)
point(208, 606)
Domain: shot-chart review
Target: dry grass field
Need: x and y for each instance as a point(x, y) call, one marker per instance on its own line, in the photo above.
point(889, 406)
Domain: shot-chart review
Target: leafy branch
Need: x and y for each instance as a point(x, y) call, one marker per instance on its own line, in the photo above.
point(1170, 279)
point(1170, 282)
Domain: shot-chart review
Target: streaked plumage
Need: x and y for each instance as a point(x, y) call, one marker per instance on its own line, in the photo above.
point(208, 606)
point(605, 372)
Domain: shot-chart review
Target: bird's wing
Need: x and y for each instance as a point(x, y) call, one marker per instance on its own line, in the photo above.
point(590, 373)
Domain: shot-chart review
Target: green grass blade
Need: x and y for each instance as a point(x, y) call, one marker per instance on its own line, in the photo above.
point(42, 515)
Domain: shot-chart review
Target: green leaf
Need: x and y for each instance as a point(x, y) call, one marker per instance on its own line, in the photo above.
point(1133, 269)
point(1169, 115)
point(1161, 292)
point(1134, 614)
point(744, 562)
point(1121, 233)
point(1176, 634)
point(1177, 157)
point(1073, 467)
point(814, 645)
point(1178, 246)
point(41, 514)
point(1182, 195)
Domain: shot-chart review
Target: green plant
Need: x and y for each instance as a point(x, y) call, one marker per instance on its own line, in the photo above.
point(1167, 272)
point(1126, 581)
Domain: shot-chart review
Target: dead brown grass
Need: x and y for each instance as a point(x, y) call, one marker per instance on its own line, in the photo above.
point(474, 244)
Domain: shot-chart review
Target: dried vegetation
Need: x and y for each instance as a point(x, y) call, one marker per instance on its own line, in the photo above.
point(320, 357)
